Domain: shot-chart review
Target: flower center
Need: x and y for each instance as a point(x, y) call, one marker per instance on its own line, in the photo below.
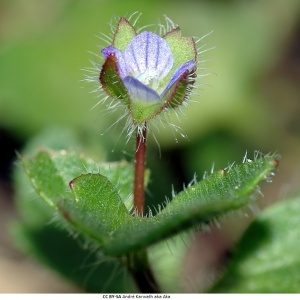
point(149, 77)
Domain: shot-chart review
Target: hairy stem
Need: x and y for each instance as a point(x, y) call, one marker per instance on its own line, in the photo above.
point(140, 164)
point(142, 273)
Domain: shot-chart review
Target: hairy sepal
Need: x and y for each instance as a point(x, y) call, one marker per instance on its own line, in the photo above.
point(142, 112)
point(183, 48)
point(111, 82)
point(124, 34)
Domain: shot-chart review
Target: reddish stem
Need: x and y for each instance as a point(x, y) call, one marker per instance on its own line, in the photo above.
point(139, 171)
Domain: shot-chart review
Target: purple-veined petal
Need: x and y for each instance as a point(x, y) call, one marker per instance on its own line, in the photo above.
point(139, 91)
point(148, 52)
point(189, 65)
point(120, 58)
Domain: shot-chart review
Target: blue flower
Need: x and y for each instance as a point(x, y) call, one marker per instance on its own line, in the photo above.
point(146, 61)
point(149, 73)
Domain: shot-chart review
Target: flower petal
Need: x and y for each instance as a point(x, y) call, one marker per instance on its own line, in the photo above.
point(148, 51)
point(139, 91)
point(188, 66)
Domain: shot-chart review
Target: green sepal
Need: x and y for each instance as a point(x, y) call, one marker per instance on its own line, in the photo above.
point(179, 91)
point(183, 50)
point(142, 112)
point(124, 34)
point(111, 81)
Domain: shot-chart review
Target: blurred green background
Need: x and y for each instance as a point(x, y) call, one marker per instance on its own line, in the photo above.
point(250, 99)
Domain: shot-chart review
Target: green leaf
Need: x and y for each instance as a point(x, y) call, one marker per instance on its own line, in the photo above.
point(198, 204)
point(267, 259)
point(37, 235)
point(89, 202)
point(48, 182)
point(121, 175)
point(51, 171)
point(96, 209)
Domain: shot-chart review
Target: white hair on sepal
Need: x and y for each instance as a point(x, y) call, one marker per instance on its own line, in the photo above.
point(113, 24)
point(168, 25)
point(135, 21)
point(135, 15)
point(197, 40)
point(107, 39)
